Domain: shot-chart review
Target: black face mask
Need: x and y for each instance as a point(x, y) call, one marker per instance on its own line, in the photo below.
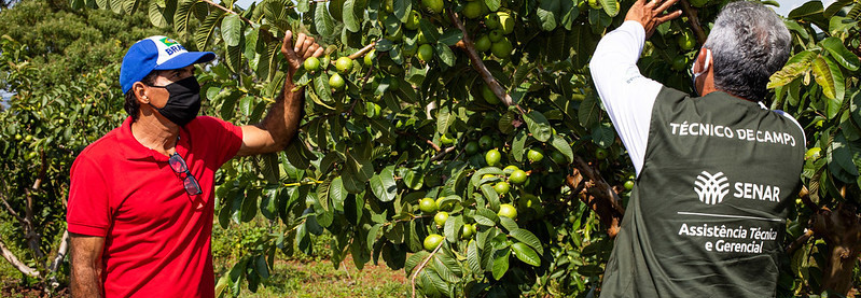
point(183, 104)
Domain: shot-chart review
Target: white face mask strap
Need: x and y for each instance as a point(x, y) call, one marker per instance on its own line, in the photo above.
point(705, 65)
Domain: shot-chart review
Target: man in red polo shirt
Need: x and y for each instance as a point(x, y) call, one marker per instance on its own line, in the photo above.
point(141, 198)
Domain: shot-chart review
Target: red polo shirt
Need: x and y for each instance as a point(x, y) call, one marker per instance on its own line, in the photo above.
point(157, 237)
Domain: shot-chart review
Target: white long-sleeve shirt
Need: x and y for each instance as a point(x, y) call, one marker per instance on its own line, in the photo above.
point(627, 95)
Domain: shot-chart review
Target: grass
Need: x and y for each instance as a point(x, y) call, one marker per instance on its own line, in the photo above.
point(292, 278)
point(306, 275)
point(298, 276)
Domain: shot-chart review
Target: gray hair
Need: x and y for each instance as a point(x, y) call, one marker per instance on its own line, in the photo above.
point(749, 43)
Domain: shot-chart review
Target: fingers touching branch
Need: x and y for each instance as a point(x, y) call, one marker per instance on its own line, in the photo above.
point(651, 14)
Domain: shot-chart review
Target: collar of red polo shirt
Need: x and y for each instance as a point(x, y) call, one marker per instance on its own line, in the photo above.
point(156, 53)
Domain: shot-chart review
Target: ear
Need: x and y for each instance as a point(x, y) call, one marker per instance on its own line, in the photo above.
point(702, 61)
point(140, 92)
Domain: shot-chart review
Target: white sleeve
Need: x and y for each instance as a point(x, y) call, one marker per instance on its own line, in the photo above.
point(626, 94)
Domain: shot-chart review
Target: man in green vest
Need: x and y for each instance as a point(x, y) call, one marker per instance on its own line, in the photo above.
point(715, 173)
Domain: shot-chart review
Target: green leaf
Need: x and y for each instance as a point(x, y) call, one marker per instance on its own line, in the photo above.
point(414, 260)
point(383, 185)
point(493, 5)
point(840, 53)
point(323, 21)
point(840, 24)
point(337, 194)
point(476, 177)
point(204, 32)
point(547, 11)
point(518, 146)
point(842, 154)
point(429, 30)
point(271, 171)
point(233, 60)
point(352, 21)
point(508, 223)
point(527, 237)
point(401, 9)
point(491, 196)
point(500, 263)
point(322, 90)
point(590, 110)
point(444, 119)
point(451, 37)
point(249, 205)
point(472, 257)
point(795, 67)
point(447, 268)
point(835, 7)
point(538, 126)
point(452, 227)
point(445, 54)
point(157, 17)
point(183, 17)
point(336, 9)
point(807, 9)
point(563, 147)
point(829, 77)
point(360, 167)
point(525, 254)
point(260, 267)
point(295, 154)
point(603, 135)
point(610, 7)
point(323, 193)
point(231, 30)
point(486, 217)
point(794, 26)
point(372, 236)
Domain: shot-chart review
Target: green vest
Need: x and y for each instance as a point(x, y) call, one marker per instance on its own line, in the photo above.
point(706, 217)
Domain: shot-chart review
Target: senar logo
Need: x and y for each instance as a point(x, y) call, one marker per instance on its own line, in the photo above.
point(711, 188)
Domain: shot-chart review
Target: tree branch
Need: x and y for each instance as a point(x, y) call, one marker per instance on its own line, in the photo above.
point(12, 211)
point(804, 194)
point(597, 194)
point(799, 242)
point(58, 259)
point(422, 266)
point(695, 22)
point(363, 51)
point(467, 45)
point(26, 270)
point(442, 154)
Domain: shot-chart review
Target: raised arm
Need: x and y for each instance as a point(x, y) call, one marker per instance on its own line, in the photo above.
point(626, 94)
point(86, 254)
point(282, 121)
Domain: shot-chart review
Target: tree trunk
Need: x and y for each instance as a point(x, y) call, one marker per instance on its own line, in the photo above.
point(841, 230)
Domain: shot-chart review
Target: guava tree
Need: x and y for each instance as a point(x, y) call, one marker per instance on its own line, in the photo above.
point(462, 141)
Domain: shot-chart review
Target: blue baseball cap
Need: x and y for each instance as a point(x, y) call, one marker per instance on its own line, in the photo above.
point(156, 53)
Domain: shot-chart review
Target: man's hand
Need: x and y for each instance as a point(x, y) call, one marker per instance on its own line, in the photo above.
point(305, 47)
point(651, 14)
